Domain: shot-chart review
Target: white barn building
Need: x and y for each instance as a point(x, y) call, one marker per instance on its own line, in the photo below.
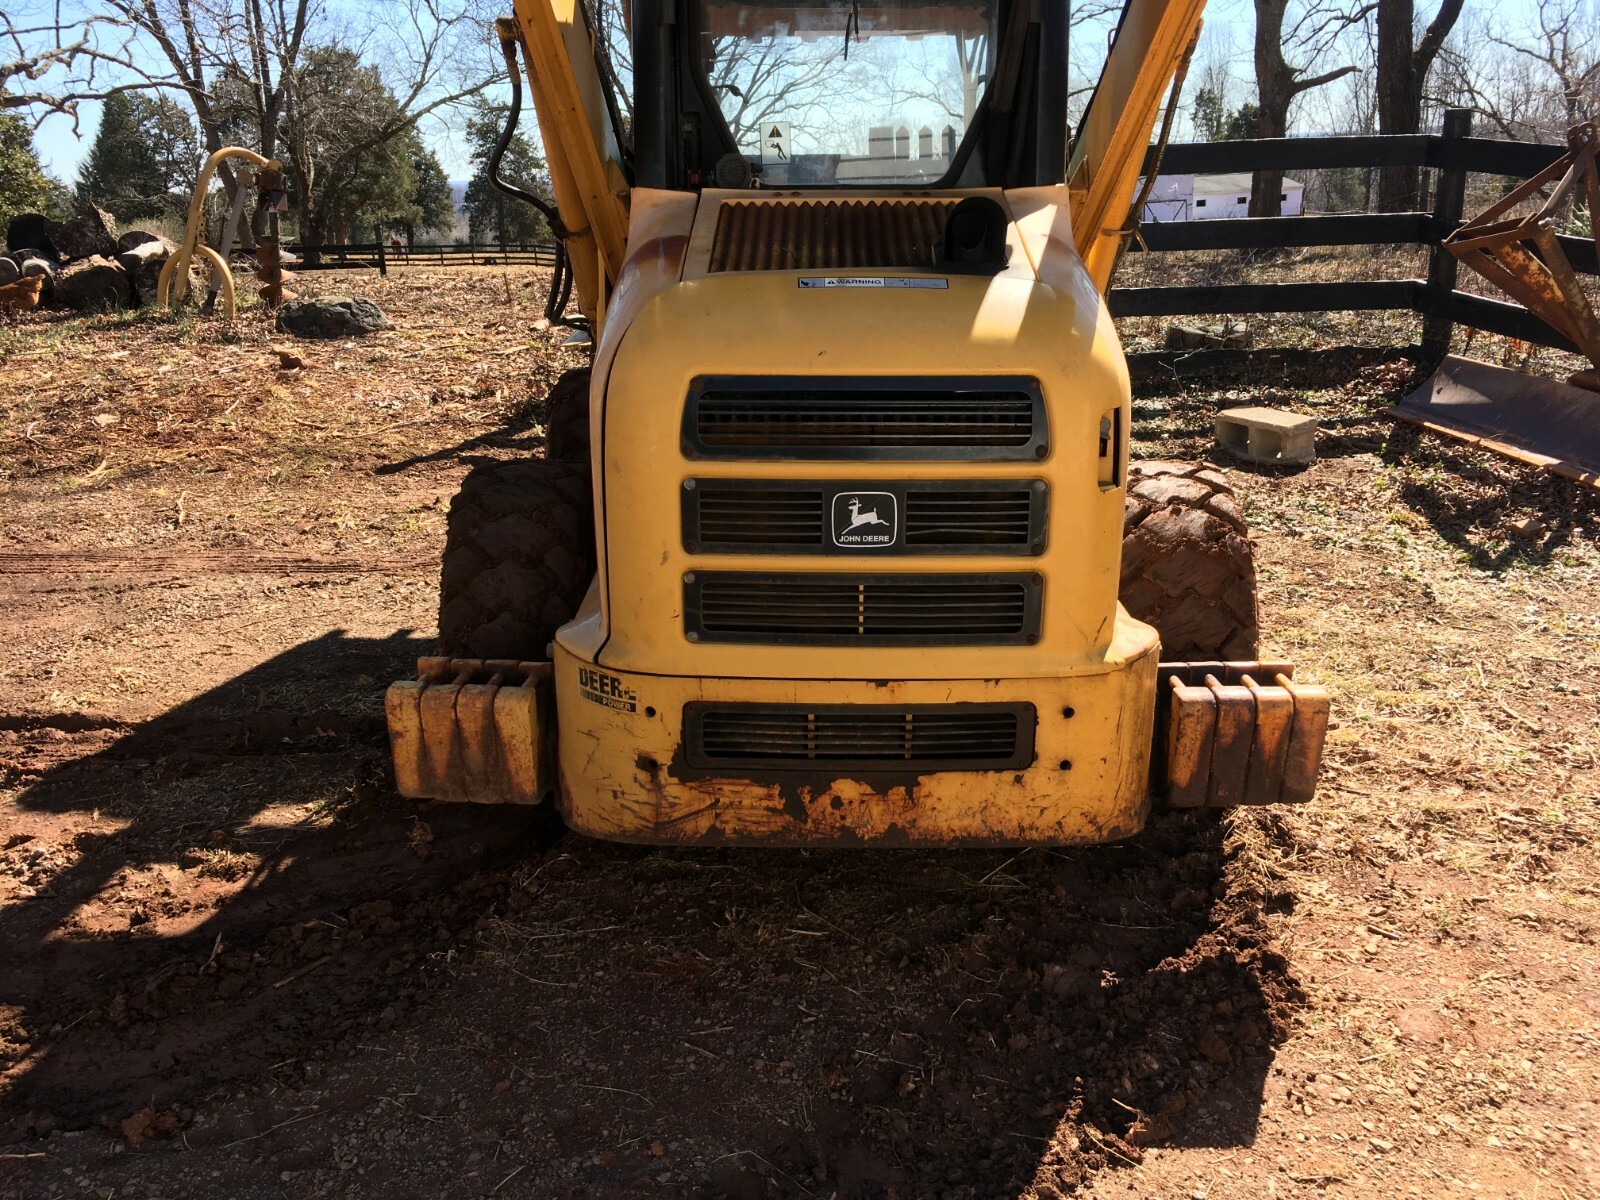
point(1210, 197)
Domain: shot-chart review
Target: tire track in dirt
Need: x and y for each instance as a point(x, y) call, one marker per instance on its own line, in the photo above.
point(207, 562)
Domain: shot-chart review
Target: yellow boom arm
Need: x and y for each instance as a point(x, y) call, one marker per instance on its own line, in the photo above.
point(1109, 154)
point(580, 145)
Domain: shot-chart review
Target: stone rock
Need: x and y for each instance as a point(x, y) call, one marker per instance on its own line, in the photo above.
point(1231, 336)
point(27, 232)
point(93, 233)
point(10, 272)
point(135, 238)
point(143, 263)
point(95, 284)
point(332, 317)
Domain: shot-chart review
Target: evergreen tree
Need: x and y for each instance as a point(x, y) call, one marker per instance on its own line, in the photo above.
point(143, 153)
point(1243, 123)
point(354, 151)
point(491, 214)
point(432, 205)
point(1210, 117)
point(24, 186)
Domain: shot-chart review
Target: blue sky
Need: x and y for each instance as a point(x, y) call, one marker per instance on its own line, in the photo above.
point(1229, 26)
point(61, 152)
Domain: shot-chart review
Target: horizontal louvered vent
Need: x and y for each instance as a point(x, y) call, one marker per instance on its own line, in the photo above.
point(862, 610)
point(750, 516)
point(735, 517)
point(998, 517)
point(789, 235)
point(863, 737)
point(891, 418)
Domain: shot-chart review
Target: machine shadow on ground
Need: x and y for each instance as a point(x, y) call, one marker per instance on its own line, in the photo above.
point(256, 805)
point(928, 1021)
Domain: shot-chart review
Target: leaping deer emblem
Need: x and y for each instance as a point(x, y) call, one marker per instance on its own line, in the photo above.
point(859, 518)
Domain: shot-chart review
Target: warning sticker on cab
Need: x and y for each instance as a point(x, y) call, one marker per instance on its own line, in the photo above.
point(919, 282)
point(597, 687)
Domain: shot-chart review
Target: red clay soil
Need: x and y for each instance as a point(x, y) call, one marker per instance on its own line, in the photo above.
point(237, 964)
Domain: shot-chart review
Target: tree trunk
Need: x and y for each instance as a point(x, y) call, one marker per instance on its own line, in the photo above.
point(1402, 72)
point(1266, 189)
point(1399, 101)
point(1275, 85)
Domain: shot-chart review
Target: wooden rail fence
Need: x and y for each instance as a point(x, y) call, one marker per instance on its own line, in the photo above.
point(380, 256)
point(1453, 153)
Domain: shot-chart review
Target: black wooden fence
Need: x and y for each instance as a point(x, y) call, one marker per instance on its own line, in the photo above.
point(380, 256)
point(1454, 154)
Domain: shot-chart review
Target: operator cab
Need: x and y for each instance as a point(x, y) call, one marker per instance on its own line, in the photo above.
point(839, 94)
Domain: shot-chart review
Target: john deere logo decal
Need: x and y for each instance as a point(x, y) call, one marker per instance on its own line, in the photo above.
point(599, 687)
point(863, 519)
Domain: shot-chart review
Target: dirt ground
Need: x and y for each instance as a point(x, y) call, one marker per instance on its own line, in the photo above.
point(235, 963)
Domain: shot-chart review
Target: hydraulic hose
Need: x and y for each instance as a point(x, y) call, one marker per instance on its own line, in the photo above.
point(561, 273)
point(508, 47)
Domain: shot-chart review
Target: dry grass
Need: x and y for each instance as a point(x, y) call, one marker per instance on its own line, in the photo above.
point(133, 393)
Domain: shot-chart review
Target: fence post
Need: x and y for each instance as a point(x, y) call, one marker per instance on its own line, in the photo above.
point(383, 262)
point(1449, 196)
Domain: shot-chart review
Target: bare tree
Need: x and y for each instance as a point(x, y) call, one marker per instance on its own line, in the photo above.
point(1564, 55)
point(1402, 73)
point(615, 52)
point(21, 67)
point(235, 60)
point(52, 67)
point(1531, 82)
point(1316, 29)
point(759, 81)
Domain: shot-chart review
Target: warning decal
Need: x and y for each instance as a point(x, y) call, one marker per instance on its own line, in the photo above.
point(775, 143)
point(873, 281)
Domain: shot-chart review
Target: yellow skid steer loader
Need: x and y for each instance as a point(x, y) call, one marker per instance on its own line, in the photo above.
point(837, 542)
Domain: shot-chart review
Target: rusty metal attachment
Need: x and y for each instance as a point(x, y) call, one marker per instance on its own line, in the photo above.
point(270, 254)
point(1522, 255)
point(1542, 422)
point(473, 730)
point(1237, 733)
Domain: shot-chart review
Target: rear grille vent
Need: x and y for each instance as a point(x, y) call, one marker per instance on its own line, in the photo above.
point(759, 516)
point(970, 520)
point(737, 517)
point(789, 235)
point(840, 419)
point(862, 610)
point(948, 737)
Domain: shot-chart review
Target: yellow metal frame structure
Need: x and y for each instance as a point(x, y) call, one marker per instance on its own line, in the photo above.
point(173, 283)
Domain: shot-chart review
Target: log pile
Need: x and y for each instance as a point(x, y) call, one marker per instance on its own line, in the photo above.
point(87, 264)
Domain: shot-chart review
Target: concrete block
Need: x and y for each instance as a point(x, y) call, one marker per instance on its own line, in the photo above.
point(1267, 435)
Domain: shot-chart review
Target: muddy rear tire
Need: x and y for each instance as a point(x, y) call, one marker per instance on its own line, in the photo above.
point(518, 558)
point(1187, 566)
point(566, 418)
